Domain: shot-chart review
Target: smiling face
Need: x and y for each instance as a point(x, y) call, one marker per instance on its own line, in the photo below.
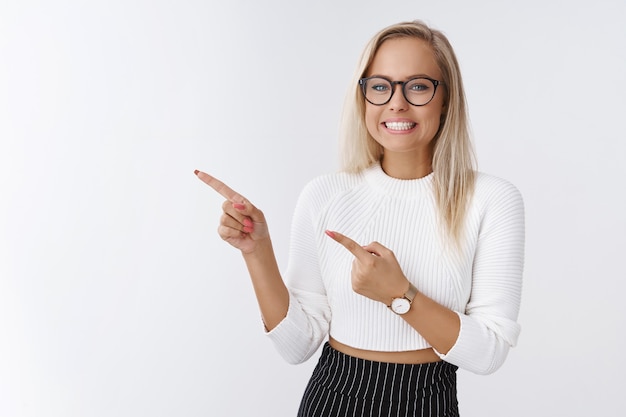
point(405, 131)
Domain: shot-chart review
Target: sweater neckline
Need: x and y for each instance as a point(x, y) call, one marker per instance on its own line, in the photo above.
point(382, 182)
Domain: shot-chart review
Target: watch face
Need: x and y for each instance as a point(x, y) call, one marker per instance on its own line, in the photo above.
point(400, 305)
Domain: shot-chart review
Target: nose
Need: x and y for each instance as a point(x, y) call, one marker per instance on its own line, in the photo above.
point(397, 101)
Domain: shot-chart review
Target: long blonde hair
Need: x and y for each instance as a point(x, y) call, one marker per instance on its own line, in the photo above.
point(453, 154)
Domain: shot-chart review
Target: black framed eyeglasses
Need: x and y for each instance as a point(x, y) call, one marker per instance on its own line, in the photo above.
point(418, 91)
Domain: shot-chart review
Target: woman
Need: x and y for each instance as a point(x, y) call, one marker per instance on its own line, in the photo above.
point(436, 285)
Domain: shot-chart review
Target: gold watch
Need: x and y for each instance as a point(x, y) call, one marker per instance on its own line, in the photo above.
point(403, 304)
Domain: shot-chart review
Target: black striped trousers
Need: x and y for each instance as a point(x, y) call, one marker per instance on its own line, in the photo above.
point(343, 385)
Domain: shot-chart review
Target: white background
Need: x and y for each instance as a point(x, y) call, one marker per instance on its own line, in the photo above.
point(117, 297)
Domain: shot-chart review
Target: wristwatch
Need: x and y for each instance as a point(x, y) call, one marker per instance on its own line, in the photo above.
point(403, 304)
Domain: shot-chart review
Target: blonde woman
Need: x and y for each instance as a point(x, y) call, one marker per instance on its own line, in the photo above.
point(407, 265)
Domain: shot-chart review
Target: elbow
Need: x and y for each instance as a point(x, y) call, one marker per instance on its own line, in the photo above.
point(491, 360)
point(488, 370)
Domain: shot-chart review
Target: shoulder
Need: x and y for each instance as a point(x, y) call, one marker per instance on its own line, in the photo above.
point(490, 188)
point(323, 191)
point(497, 201)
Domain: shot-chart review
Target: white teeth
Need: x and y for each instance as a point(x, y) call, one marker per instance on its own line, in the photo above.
point(399, 125)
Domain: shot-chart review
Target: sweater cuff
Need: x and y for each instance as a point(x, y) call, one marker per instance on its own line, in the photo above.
point(291, 342)
point(479, 348)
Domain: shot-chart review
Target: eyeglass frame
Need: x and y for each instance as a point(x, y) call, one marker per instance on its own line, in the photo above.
point(363, 81)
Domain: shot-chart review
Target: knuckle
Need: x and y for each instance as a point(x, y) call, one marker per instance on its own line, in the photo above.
point(221, 231)
point(257, 213)
point(370, 262)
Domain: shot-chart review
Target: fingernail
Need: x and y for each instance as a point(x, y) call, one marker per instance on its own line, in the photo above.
point(239, 206)
point(247, 222)
point(329, 233)
point(196, 172)
point(248, 229)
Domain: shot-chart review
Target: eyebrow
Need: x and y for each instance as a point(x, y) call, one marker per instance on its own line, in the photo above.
point(410, 77)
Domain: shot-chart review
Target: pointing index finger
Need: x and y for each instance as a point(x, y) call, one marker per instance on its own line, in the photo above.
point(223, 189)
point(354, 248)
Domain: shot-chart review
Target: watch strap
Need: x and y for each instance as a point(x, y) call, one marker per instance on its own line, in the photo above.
point(411, 292)
point(408, 295)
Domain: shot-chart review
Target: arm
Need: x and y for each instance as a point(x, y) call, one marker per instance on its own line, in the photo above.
point(437, 324)
point(243, 226)
point(489, 323)
point(296, 319)
point(299, 336)
point(269, 288)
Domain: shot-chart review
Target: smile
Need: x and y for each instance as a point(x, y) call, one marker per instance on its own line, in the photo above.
point(400, 125)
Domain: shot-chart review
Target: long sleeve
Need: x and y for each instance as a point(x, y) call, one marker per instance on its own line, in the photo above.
point(489, 323)
point(306, 325)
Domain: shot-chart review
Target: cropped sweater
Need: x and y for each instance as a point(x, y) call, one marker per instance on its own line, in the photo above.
point(481, 281)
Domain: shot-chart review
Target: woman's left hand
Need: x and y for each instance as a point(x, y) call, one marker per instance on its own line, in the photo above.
point(376, 273)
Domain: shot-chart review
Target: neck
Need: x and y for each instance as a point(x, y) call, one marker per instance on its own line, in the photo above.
point(406, 167)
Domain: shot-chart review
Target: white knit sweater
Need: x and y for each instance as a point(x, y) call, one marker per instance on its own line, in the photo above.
point(482, 282)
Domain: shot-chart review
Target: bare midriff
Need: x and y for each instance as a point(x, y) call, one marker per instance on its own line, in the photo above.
point(410, 357)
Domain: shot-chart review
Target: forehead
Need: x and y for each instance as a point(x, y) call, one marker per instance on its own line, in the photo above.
point(404, 57)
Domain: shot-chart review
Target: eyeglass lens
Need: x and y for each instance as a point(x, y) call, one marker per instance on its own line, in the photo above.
point(417, 91)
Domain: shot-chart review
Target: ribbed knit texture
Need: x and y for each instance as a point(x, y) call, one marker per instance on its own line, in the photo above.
point(481, 281)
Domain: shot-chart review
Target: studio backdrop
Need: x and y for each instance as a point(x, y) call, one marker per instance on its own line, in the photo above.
point(117, 296)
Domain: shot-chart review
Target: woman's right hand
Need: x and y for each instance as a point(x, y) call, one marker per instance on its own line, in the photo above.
point(242, 224)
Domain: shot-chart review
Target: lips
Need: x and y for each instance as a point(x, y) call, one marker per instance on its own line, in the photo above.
point(399, 126)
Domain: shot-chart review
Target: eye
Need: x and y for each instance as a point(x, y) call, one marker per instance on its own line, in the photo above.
point(419, 86)
point(379, 87)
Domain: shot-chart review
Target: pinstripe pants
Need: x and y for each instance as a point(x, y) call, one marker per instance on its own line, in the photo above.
point(343, 385)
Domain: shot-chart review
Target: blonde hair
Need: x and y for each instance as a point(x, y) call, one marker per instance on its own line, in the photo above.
point(453, 154)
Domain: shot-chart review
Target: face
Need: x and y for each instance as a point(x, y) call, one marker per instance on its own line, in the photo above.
point(398, 126)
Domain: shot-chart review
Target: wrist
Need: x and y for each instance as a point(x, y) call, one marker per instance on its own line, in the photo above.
point(261, 248)
point(398, 289)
